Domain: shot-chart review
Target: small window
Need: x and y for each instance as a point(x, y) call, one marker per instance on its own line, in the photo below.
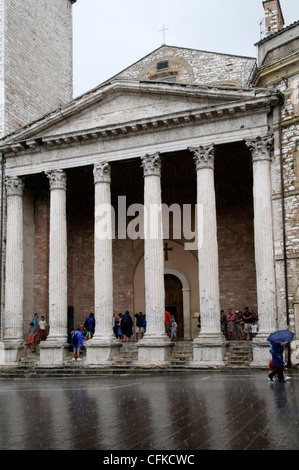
point(162, 65)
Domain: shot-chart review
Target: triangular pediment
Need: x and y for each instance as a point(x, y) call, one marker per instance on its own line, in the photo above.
point(123, 102)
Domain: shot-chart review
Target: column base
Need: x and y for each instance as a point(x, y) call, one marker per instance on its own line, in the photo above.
point(53, 353)
point(154, 352)
point(208, 351)
point(260, 351)
point(295, 353)
point(11, 351)
point(101, 351)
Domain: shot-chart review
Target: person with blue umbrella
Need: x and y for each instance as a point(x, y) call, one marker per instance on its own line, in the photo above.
point(275, 340)
point(277, 362)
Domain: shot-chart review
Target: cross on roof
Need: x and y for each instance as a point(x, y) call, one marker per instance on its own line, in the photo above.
point(163, 30)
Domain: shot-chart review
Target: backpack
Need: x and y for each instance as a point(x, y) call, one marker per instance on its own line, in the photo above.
point(86, 325)
point(75, 340)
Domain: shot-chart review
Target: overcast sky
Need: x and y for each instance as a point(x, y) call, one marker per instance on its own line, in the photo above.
point(110, 36)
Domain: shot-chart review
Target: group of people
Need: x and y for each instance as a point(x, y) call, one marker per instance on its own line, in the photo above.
point(239, 325)
point(123, 326)
point(37, 331)
point(79, 337)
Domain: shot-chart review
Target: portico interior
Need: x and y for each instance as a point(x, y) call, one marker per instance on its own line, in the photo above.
point(233, 187)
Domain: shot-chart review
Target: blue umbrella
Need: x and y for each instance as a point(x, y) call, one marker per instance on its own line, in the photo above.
point(281, 336)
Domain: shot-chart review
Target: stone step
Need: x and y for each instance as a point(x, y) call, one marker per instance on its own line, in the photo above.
point(127, 353)
point(238, 353)
point(182, 353)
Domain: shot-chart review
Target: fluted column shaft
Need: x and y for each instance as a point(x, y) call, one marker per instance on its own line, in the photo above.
point(14, 290)
point(103, 266)
point(58, 257)
point(263, 233)
point(153, 248)
point(207, 241)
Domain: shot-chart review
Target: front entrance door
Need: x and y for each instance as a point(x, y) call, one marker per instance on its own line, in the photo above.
point(174, 300)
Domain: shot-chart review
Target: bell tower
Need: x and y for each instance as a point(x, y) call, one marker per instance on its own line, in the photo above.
point(273, 16)
point(36, 59)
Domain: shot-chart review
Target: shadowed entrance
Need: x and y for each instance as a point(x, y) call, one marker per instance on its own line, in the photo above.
point(174, 301)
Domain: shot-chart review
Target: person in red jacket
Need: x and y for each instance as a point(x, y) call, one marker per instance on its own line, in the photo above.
point(167, 323)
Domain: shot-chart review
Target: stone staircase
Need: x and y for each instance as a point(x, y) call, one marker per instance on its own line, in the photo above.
point(238, 354)
point(182, 354)
point(127, 355)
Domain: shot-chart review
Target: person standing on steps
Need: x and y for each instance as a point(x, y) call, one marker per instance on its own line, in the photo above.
point(89, 324)
point(247, 316)
point(35, 322)
point(167, 323)
point(76, 343)
point(31, 337)
point(139, 325)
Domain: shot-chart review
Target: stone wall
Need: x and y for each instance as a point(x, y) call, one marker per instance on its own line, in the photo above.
point(193, 66)
point(36, 59)
point(290, 165)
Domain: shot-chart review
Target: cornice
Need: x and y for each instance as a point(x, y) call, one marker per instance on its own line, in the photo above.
point(259, 103)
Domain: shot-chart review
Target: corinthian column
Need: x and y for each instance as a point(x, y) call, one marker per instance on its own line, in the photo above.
point(103, 273)
point(14, 292)
point(208, 347)
point(53, 349)
point(263, 244)
point(99, 350)
point(153, 348)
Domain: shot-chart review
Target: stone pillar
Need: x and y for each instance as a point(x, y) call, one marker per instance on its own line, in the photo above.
point(264, 246)
point(12, 324)
point(53, 350)
point(103, 346)
point(295, 343)
point(208, 346)
point(154, 347)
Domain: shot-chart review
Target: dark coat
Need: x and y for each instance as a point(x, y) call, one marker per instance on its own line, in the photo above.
point(127, 325)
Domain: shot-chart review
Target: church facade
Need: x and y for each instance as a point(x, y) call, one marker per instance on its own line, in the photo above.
point(172, 186)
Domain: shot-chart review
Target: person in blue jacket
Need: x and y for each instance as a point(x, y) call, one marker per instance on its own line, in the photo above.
point(277, 362)
point(76, 343)
point(89, 324)
point(35, 322)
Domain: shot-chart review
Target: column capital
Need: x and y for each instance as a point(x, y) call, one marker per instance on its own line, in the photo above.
point(151, 164)
point(260, 148)
point(203, 156)
point(102, 172)
point(57, 179)
point(14, 186)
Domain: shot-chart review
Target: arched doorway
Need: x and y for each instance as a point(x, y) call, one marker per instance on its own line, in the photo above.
point(174, 301)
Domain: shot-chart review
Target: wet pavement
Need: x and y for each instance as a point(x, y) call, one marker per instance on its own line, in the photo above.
point(183, 411)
